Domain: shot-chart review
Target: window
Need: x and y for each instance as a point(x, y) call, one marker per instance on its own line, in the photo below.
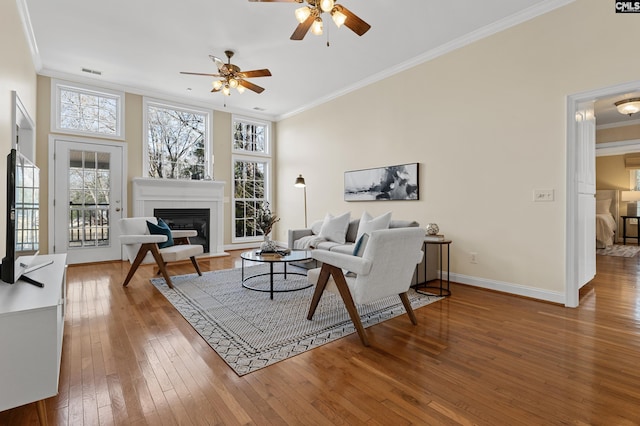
point(85, 110)
point(178, 141)
point(635, 180)
point(251, 175)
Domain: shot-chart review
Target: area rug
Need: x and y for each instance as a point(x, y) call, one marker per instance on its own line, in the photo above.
point(250, 331)
point(619, 250)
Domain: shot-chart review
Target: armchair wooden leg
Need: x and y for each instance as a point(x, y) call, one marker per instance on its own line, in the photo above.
point(408, 308)
point(320, 286)
point(142, 252)
point(144, 248)
point(343, 288)
point(158, 257)
point(195, 265)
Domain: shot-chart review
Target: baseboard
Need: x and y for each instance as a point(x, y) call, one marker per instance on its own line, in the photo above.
point(519, 290)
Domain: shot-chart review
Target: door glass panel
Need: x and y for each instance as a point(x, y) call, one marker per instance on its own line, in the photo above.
point(89, 193)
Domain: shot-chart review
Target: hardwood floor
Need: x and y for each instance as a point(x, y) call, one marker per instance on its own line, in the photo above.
point(478, 357)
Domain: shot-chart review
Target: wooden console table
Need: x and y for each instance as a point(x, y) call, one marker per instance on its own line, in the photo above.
point(31, 330)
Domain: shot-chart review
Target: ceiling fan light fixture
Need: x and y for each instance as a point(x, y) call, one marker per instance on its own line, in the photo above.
point(226, 90)
point(240, 89)
point(233, 83)
point(326, 5)
point(628, 106)
point(302, 14)
point(316, 27)
point(338, 17)
point(217, 85)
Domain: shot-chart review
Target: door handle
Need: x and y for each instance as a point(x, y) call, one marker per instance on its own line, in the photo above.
point(117, 209)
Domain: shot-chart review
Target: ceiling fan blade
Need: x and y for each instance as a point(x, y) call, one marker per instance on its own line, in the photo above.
point(200, 73)
point(219, 62)
point(302, 29)
point(249, 85)
point(353, 22)
point(216, 90)
point(254, 73)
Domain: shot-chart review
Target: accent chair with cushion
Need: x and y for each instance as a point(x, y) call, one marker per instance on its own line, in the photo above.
point(386, 267)
point(147, 240)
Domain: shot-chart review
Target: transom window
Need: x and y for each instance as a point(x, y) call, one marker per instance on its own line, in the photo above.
point(178, 141)
point(86, 110)
point(251, 175)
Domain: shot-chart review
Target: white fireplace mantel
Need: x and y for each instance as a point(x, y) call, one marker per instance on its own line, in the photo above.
point(150, 194)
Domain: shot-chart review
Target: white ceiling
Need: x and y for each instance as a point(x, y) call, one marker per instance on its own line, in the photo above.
point(142, 45)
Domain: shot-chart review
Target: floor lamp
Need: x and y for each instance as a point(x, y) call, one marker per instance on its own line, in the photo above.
point(301, 184)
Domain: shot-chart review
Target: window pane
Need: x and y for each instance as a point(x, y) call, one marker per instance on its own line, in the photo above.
point(249, 137)
point(88, 111)
point(176, 143)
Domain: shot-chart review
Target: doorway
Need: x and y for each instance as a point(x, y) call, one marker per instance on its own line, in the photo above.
point(576, 215)
point(88, 197)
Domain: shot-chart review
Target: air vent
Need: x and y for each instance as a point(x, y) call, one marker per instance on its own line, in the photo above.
point(259, 109)
point(92, 71)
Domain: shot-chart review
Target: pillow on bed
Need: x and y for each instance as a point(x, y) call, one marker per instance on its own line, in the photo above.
point(602, 206)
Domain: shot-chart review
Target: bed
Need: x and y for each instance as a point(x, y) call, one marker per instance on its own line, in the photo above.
point(606, 214)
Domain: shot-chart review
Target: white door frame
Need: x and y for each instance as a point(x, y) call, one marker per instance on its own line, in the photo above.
point(572, 252)
point(51, 172)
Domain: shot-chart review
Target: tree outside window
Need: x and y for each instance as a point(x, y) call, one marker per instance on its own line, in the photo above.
point(177, 141)
point(251, 176)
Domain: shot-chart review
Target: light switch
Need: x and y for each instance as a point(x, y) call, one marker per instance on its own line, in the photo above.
point(543, 195)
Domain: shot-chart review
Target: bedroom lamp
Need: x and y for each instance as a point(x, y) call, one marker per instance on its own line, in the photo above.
point(301, 184)
point(632, 198)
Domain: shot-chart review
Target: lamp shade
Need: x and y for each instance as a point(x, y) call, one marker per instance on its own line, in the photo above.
point(300, 182)
point(630, 195)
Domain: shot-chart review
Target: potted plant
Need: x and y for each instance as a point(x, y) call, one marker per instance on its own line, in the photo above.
point(265, 219)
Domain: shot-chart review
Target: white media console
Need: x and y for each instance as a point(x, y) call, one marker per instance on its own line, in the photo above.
point(31, 330)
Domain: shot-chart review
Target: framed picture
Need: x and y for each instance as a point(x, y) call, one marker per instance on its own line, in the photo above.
point(382, 184)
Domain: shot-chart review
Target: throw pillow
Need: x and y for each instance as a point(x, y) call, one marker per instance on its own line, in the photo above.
point(369, 224)
point(335, 228)
point(161, 229)
point(602, 206)
point(361, 244)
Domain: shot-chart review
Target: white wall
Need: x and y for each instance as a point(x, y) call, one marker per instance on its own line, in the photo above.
point(16, 73)
point(487, 125)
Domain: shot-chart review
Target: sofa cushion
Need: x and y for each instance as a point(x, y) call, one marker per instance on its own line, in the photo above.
point(327, 245)
point(403, 224)
point(343, 248)
point(161, 229)
point(334, 228)
point(352, 230)
point(360, 245)
point(369, 224)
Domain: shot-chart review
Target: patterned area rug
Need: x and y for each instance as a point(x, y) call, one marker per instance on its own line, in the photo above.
point(250, 331)
point(619, 250)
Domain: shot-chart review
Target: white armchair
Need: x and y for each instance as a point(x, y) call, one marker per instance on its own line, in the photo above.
point(385, 268)
point(142, 247)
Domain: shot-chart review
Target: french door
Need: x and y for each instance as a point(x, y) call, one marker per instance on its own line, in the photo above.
point(87, 185)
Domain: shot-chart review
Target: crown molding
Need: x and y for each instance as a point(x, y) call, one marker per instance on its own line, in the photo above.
point(25, 19)
point(615, 125)
point(486, 31)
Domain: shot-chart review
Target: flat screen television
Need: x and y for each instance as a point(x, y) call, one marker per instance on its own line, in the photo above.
point(23, 219)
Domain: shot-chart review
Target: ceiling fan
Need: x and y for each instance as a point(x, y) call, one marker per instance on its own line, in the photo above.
point(309, 17)
point(231, 77)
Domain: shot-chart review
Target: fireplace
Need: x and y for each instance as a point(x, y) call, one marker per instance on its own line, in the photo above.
point(151, 195)
point(188, 219)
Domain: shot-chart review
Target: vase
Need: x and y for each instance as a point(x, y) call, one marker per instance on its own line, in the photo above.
point(268, 245)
